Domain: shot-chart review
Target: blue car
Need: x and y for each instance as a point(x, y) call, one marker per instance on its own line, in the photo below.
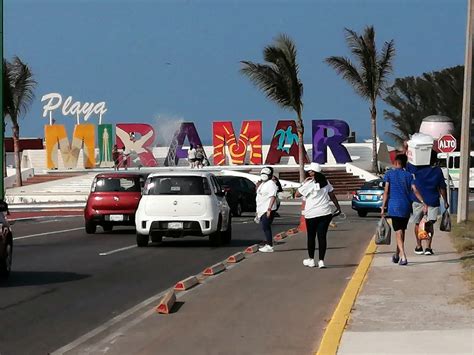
point(368, 198)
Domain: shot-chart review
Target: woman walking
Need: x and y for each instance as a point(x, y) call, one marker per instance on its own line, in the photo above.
point(266, 206)
point(318, 194)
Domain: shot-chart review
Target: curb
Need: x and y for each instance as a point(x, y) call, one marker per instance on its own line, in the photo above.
point(36, 218)
point(336, 326)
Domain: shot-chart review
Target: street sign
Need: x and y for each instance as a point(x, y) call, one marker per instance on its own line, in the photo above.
point(447, 143)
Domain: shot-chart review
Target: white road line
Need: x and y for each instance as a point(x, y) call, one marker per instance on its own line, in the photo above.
point(108, 324)
point(117, 250)
point(47, 233)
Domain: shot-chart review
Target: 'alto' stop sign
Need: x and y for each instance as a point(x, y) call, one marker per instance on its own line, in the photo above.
point(447, 143)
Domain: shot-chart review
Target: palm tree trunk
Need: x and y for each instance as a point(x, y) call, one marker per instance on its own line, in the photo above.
point(373, 118)
point(300, 130)
point(16, 149)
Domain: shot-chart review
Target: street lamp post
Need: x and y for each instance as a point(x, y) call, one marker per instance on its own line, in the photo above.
point(463, 202)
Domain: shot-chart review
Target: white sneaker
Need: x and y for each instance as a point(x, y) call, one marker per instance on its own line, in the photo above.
point(321, 264)
point(266, 249)
point(309, 262)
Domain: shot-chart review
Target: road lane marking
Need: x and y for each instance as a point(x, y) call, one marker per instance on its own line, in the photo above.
point(47, 233)
point(117, 250)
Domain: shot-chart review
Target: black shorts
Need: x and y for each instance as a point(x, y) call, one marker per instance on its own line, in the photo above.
point(399, 223)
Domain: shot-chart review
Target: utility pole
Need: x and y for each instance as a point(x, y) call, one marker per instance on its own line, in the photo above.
point(463, 201)
point(2, 119)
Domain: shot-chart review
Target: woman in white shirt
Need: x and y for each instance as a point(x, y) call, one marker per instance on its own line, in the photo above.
point(192, 156)
point(266, 206)
point(318, 194)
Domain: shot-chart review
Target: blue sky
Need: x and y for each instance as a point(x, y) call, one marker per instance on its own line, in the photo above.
point(160, 61)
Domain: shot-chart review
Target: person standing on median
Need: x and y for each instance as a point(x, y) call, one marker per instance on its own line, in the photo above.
point(318, 194)
point(429, 180)
point(399, 184)
point(266, 206)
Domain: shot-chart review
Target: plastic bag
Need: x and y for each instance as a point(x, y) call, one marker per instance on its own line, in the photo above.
point(445, 224)
point(383, 234)
point(423, 230)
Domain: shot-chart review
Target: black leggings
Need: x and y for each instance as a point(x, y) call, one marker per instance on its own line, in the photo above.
point(317, 226)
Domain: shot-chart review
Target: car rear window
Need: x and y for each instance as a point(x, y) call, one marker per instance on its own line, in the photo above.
point(228, 181)
point(117, 185)
point(373, 185)
point(177, 185)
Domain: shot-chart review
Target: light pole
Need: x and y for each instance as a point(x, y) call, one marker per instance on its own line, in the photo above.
point(2, 119)
point(463, 202)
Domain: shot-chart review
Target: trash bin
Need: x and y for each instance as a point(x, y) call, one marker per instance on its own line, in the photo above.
point(453, 203)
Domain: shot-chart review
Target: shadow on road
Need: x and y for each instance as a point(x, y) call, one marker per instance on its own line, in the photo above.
point(35, 278)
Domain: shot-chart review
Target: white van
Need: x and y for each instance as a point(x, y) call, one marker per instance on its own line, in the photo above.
point(186, 203)
point(453, 166)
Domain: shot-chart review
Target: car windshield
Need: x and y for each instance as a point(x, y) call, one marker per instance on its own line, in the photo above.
point(177, 185)
point(373, 185)
point(228, 181)
point(104, 184)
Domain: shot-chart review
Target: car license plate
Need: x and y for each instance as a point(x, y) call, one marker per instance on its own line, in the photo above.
point(116, 217)
point(175, 225)
point(369, 197)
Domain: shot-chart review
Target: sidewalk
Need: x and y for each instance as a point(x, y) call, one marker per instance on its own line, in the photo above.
point(413, 309)
point(266, 304)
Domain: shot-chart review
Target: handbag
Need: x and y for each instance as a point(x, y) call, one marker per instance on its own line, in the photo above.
point(383, 233)
point(445, 224)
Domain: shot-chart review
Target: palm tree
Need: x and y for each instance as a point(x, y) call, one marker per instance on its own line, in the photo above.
point(19, 95)
point(278, 79)
point(368, 76)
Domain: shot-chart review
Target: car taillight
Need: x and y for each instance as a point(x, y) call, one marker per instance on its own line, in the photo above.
point(356, 197)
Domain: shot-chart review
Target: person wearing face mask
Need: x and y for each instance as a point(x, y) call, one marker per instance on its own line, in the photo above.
point(318, 194)
point(266, 206)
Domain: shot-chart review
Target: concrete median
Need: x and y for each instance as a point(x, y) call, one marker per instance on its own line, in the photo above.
point(214, 269)
point(166, 303)
point(186, 284)
point(252, 249)
point(236, 258)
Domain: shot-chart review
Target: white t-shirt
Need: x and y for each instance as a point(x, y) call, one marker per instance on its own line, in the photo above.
point(318, 202)
point(265, 192)
point(192, 153)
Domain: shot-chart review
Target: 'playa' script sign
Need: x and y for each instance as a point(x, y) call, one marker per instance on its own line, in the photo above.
point(54, 101)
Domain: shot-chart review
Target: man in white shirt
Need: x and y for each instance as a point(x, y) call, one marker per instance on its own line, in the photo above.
point(266, 206)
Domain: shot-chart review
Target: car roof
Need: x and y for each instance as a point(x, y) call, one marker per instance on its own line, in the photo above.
point(120, 175)
point(182, 173)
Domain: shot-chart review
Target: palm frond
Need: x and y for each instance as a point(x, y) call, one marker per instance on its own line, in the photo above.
point(385, 63)
point(22, 88)
point(344, 67)
point(7, 89)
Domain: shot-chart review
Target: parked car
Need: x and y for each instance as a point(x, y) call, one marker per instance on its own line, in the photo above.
point(6, 243)
point(369, 197)
point(113, 201)
point(178, 204)
point(240, 194)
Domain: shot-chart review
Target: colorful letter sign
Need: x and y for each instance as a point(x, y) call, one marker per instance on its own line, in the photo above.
point(250, 134)
point(136, 138)
point(322, 140)
point(176, 151)
point(284, 143)
point(55, 137)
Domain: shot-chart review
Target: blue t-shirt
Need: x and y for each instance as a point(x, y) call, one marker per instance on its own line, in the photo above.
point(399, 193)
point(428, 181)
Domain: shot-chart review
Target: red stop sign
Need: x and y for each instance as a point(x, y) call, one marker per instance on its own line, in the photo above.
point(447, 143)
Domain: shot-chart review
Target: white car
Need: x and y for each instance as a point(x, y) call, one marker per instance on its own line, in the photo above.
point(186, 203)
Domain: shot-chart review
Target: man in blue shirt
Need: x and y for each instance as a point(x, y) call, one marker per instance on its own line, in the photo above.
point(429, 180)
point(399, 185)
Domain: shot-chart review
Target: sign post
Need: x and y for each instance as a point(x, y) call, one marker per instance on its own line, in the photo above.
point(447, 144)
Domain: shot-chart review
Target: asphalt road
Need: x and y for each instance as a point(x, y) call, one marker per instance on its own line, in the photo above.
point(61, 286)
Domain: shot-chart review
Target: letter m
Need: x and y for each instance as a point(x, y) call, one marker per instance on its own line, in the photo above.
point(82, 138)
point(250, 135)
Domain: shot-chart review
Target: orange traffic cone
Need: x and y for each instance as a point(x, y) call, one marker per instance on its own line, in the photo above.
point(302, 226)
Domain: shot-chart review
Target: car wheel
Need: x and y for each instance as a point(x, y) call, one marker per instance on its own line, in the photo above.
point(142, 240)
point(362, 213)
point(227, 235)
point(156, 238)
point(90, 227)
point(107, 227)
point(216, 238)
point(6, 261)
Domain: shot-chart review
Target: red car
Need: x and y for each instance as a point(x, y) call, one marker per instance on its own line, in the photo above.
point(113, 201)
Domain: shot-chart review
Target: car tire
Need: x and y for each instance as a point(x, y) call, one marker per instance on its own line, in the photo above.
point(142, 240)
point(227, 235)
point(216, 238)
point(362, 213)
point(156, 238)
point(90, 227)
point(6, 261)
point(107, 227)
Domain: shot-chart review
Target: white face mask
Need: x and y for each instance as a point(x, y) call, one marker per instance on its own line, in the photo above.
point(264, 177)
